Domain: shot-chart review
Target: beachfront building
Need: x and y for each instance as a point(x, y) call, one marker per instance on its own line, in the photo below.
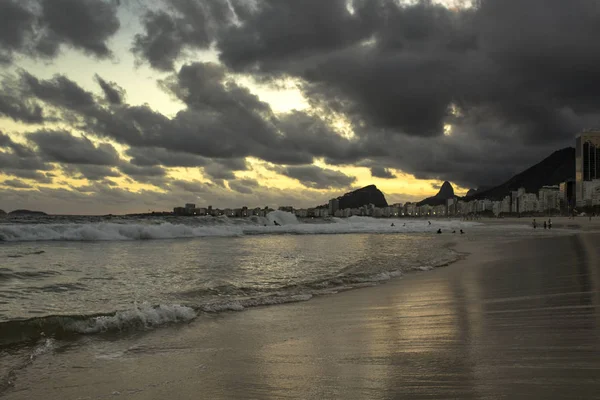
point(567, 195)
point(587, 165)
point(334, 205)
point(505, 207)
point(591, 193)
point(451, 206)
point(528, 203)
point(410, 209)
point(549, 198)
point(301, 213)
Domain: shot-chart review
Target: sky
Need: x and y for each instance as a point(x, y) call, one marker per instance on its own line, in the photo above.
point(123, 106)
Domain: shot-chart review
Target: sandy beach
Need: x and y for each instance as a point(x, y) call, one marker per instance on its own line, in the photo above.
point(515, 320)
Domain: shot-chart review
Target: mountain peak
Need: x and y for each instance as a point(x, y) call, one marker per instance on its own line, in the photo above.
point(446, 192)
point(363, 196)
point(556, 168)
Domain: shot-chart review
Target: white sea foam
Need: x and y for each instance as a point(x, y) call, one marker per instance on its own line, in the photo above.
point(145, 316)
point(46, 346)
point(240, 305)
point(221, 226)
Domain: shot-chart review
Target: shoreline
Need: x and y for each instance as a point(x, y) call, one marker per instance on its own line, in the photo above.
point(448, 333)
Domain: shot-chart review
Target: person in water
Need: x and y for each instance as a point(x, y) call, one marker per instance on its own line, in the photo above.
point(461, 232)
point(545, 226)
point(439, 231)
point(429, 222)
point(392, 224)
point(534, 224)
point(549, 223)
point(276, 223)
point(454, 231)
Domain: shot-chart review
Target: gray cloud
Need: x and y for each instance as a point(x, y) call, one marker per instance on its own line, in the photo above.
point(12, 160)
point(399, 71)
point(184, 24)
point(39, 28)
point(16, 23)
point(245, 186)
point(149, 156)
point(39, 177)
point(63, 147)
point(59, 91)
point(15, 183)
point(381, 172)
point(14, 105)
point(223, 120)
point(90, 172)
point(142, 172)
point(191, 186)
point(113, 93)
point(316, 177)
point(83, 24)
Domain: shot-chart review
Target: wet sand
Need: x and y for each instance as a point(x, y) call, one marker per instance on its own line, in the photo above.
point(518, 320)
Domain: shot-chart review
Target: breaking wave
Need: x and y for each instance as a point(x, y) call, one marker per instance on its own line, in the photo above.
point(146, 316)
point(193, 227)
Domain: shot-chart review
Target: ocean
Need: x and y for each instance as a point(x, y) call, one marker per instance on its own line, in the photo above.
point(64, 278)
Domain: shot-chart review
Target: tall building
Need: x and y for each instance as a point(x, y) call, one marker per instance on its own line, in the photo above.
point(567, 195)
point(587, 164)
point(334, 205)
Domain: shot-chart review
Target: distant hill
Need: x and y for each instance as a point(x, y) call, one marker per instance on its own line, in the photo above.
point(557, 168)
point(361, 197)
point(22, 213)
point(446, 192)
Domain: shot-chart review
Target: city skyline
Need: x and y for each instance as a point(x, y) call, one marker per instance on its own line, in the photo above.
point(127, 106)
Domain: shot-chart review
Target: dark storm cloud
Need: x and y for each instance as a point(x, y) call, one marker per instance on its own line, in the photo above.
point(39, 28)
point(149, 156)
point(223, 121)
point(381, 172)
point(15, 183)
point(244, 186)
point(191, 186)
point(505, 71)
point(184, 24)
point(273, 31)
point(83, 24)
point(59, 91)
point(316, 177)
point(113, 93)
point(19, 157)
point(15, 105)
point(39, 177)
point(63, 147)
point(142, 172)
point(90, 172)
point(15, 28)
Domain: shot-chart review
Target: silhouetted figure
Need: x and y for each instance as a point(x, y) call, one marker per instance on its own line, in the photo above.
point(534, 224)
point(429, 222)
point(461, 232)
point(454, 231)
point(439, 231)
point(545, 226)
point(549, 223)
point(276, 223)
point(392, 224)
